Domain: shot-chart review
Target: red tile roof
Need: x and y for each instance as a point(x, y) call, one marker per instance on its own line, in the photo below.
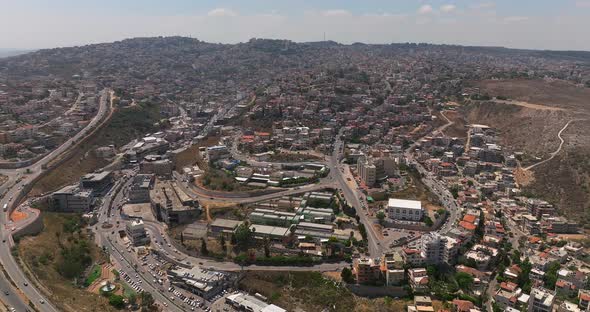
point(468, 226)
point(469, 218)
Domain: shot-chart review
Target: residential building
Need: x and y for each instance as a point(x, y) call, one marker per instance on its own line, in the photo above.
point(437, 249)
point(367, 171)
point(418, 279)
point(365, 270)
point(541, 300)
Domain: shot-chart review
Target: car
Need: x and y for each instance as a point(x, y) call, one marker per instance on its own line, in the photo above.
point(26, 284)
point(6, 292)
point(41, 301)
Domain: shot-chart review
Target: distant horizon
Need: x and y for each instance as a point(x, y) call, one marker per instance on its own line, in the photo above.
point(24, 51)
point(538, 25)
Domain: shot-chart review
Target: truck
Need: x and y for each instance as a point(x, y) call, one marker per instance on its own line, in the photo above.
point(5, 208)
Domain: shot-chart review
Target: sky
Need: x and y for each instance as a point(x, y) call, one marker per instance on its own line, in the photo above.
point(531, 24)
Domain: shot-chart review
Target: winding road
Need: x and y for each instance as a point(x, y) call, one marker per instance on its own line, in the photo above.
point(553, 154)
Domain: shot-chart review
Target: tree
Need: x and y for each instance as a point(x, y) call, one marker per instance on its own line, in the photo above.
point(381, 216)
point(204, 250)
point(550, 277)
point(147, 302)
point(222, 242)
point(117, 301)
point(428, 221)
point(363, 231)
point(266, 243)
point(132, 298)
point(464, 280)
point(347, 276)
point(243, 235)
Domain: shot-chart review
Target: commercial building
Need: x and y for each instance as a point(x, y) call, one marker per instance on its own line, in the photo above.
point(403, 209)
point(136, 232)
point(147, 146)
point(139, 191)
point(172, 205)
point(161, 167)
point(99, 183)
point(72, 199)
point(204, 283)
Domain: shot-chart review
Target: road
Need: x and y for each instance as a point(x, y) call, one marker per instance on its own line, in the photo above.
point(352, 197)
point(130, 264)
point(436, 186)
point(14, 188)
point(553, 154)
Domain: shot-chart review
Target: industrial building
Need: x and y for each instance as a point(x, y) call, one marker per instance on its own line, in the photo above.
point(245, 302)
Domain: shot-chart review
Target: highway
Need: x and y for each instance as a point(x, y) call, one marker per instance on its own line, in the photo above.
point(12, 189)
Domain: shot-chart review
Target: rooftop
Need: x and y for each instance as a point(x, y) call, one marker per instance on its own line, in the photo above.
point(404, 203)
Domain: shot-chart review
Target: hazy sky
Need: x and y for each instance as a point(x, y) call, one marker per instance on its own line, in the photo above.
point(539, 24)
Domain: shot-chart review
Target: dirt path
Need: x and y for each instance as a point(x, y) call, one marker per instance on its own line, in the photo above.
point(529, 105)
point(553, 154)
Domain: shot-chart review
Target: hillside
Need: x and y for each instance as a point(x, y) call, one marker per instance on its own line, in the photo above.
point(531, 126)
point(126, 124)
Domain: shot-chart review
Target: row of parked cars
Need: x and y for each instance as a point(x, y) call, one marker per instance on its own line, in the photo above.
point(191, 301)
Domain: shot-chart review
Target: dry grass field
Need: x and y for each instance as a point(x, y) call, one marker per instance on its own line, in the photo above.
point(531, 124)
point(41, 255)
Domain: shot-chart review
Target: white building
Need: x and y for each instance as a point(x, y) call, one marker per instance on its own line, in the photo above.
point(136, 233)
point(403, 209)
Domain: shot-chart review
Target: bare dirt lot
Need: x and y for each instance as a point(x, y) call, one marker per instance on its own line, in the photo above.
point(558, 94)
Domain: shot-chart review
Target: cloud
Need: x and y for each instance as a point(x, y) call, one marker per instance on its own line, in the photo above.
point(484, 5)
point(337, 12)
point(515, 19)
point(448, 8)
point(221, 12)
point(583, 4)
point(425, 9)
